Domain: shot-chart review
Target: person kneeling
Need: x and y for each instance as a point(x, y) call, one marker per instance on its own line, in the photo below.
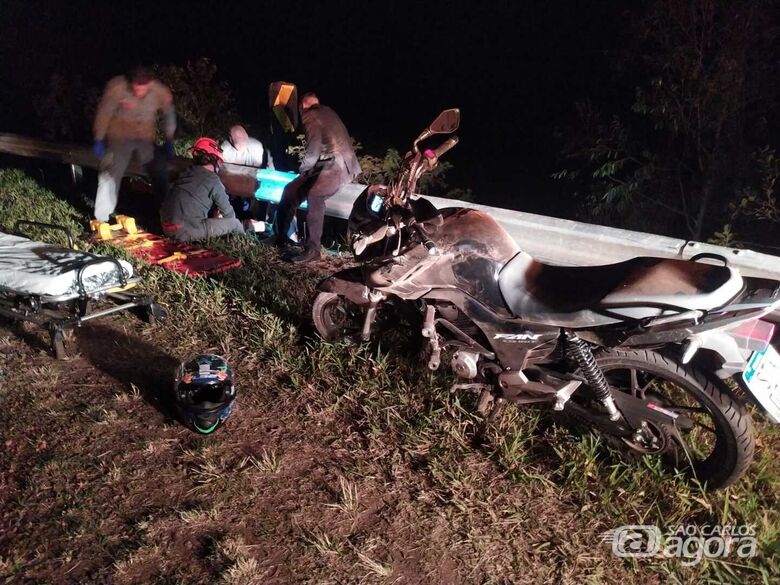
point(185, 210)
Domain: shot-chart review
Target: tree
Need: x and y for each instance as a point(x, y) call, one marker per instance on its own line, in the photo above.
point(686, 148)
point(66, 110)
point(204, 104)
point(755, 214)
point(383, 169)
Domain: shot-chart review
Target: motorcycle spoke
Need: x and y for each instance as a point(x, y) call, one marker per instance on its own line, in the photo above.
point(686, 447)
point(634, 383)
point(637, 389)
point(691, 444)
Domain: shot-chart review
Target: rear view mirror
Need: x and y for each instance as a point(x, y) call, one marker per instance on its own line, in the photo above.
point(446, 122)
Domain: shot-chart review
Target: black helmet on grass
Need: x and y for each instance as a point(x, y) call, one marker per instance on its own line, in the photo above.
point(204, 392)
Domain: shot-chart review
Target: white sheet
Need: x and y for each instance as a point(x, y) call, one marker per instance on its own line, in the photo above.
point(31, 267)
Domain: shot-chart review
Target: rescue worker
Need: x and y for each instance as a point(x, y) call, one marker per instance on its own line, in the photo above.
point(184, 214)
point(241, 149)
point(328, 163)
point(125, 125)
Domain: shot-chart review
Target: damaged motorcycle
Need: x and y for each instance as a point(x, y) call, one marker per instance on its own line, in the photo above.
point(660, 356)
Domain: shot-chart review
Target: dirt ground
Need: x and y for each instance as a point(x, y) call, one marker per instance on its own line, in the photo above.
point(99, 484)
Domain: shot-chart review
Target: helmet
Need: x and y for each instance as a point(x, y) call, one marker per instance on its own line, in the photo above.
point(206, 151)
point(204, 392)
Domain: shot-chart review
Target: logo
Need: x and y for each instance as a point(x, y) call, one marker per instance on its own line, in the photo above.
point(689, 543)
point(634, 540)
point(515, 337)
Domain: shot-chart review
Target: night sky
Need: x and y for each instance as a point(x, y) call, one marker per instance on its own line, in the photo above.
point(514, 68)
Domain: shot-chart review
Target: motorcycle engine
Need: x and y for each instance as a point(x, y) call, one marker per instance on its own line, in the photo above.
point(464, 364)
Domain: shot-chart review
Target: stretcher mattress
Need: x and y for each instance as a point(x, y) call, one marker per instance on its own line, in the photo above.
point(36, 268)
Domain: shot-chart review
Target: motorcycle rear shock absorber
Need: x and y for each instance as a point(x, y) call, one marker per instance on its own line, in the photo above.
point(579, 351)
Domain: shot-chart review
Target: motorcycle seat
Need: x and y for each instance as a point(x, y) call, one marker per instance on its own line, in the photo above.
point(588, 296)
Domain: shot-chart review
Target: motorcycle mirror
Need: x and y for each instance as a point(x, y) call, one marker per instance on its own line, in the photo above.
point(446, 122)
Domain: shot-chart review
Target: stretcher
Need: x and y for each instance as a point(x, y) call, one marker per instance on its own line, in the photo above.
point(182, 257)
point(59, 288)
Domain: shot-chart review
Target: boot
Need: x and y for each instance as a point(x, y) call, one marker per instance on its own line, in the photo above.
point(308, 255)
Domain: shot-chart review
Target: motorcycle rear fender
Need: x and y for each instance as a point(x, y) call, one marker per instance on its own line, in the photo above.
point(347, 283)
point(729, 358)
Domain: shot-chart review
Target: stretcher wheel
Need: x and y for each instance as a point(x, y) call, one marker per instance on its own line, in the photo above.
point(58, 344)
point(155, 312)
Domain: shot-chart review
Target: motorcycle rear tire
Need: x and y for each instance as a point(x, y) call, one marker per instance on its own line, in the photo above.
point(735, 442)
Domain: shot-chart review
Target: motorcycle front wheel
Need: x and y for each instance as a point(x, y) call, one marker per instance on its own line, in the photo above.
point(717, 448)
point(336, 317)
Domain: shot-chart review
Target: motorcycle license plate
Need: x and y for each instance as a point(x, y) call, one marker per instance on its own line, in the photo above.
point(762, 377)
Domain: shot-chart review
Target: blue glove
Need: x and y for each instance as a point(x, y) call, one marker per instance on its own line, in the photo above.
point(168, 149)
point(99, 148)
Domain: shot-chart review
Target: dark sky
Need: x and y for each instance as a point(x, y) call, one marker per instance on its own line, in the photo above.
point(514, 68)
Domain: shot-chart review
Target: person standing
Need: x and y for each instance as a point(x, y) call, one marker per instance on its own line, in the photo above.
point(125, 126)
point(328, 163)
point(184, 214)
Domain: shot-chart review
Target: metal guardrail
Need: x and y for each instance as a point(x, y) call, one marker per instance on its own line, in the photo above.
point(574, 243)
point(549, 239)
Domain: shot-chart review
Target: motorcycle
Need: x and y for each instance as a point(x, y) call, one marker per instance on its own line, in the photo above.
point(658, 355)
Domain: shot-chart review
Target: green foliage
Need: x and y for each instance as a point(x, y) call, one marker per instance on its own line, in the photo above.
point(382, 170)
point(182, 145)
point(725, 237)
point(204, 104)
point(678, 159)
point(23, 198)
point(759, 199)
point(754, 212)
point(379, 170)
point(298, 149)
point(67, 107)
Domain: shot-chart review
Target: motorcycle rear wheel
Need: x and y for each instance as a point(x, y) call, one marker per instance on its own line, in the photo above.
point(720, 446)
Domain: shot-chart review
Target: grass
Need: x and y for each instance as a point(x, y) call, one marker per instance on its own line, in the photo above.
point(267, 462)
point(341, 463)
point(23, 198)
point(348, 500)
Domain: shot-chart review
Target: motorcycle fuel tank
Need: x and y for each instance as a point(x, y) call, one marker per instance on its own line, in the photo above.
point(472, 248)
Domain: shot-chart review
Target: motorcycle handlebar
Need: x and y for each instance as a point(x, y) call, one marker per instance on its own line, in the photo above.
point(426, 240)
point(445, 146)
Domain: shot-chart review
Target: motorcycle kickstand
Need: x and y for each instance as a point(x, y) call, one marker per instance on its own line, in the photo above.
point(485, 400)
point(490, 407)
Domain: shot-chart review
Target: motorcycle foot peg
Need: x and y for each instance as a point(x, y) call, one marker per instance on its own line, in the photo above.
point(563, 394)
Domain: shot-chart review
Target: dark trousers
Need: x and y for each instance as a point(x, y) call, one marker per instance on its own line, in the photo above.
point(314, 188)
